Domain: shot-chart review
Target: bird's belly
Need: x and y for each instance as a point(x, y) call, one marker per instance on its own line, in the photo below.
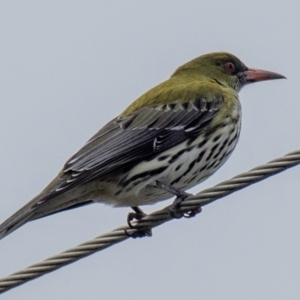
point(182, 166)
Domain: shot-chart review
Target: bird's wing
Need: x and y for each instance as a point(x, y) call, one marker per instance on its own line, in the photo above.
point(140, 135)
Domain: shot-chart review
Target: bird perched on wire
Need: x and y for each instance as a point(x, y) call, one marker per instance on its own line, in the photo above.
point(171, 138)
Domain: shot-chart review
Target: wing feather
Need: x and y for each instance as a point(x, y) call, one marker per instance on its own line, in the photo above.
point(143, 134)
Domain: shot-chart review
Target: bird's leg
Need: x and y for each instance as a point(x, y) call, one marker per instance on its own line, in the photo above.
point(180, 196)
point(138, 214)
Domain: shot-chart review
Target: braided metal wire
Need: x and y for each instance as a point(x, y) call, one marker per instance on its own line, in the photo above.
point(152, 220)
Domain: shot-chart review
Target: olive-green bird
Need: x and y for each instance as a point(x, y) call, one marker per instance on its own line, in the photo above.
point(171, 138)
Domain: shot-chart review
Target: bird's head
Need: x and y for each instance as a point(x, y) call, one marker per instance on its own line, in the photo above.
point(226, 69)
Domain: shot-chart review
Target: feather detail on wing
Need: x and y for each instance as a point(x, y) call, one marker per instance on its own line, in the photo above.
point(138, 136)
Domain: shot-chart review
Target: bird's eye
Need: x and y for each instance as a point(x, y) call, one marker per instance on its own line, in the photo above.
point(229, 66)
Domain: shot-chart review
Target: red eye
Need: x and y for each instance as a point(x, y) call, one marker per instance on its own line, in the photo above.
point(229, 66)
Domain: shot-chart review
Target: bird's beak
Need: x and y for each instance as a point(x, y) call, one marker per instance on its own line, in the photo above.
point(254, 75)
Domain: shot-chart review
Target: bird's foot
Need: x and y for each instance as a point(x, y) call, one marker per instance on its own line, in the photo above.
point(180, 197)
point(139, 233)
point(176, 214)
point(138, 214)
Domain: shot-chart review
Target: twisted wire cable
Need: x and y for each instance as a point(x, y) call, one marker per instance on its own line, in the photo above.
point(150, 221)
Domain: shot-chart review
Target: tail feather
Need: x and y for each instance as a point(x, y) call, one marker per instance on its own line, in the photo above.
point(15, 221)
point(31, 211)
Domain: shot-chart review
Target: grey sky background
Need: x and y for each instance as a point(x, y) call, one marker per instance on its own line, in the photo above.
point(68, 67)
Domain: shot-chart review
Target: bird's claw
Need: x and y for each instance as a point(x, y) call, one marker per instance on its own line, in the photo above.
point(139, 233)
point(138, 214)
point(174, 210)
point(175, 214)
point(192, 213)
point(134, 216)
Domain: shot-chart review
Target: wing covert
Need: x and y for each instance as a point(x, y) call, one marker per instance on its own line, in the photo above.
point(140, 135)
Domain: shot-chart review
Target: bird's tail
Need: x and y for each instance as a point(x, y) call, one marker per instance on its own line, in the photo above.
point(31, 211)
point(15, 221)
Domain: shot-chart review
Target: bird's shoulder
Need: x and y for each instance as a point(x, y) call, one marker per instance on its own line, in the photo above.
point(179, 91)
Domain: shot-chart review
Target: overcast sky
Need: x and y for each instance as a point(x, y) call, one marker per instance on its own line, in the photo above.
point(68, 67)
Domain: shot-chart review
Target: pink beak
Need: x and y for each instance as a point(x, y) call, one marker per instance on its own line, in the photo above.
point(254, 75)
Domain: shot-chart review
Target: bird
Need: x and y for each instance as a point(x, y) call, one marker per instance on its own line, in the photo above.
point(168, 140)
